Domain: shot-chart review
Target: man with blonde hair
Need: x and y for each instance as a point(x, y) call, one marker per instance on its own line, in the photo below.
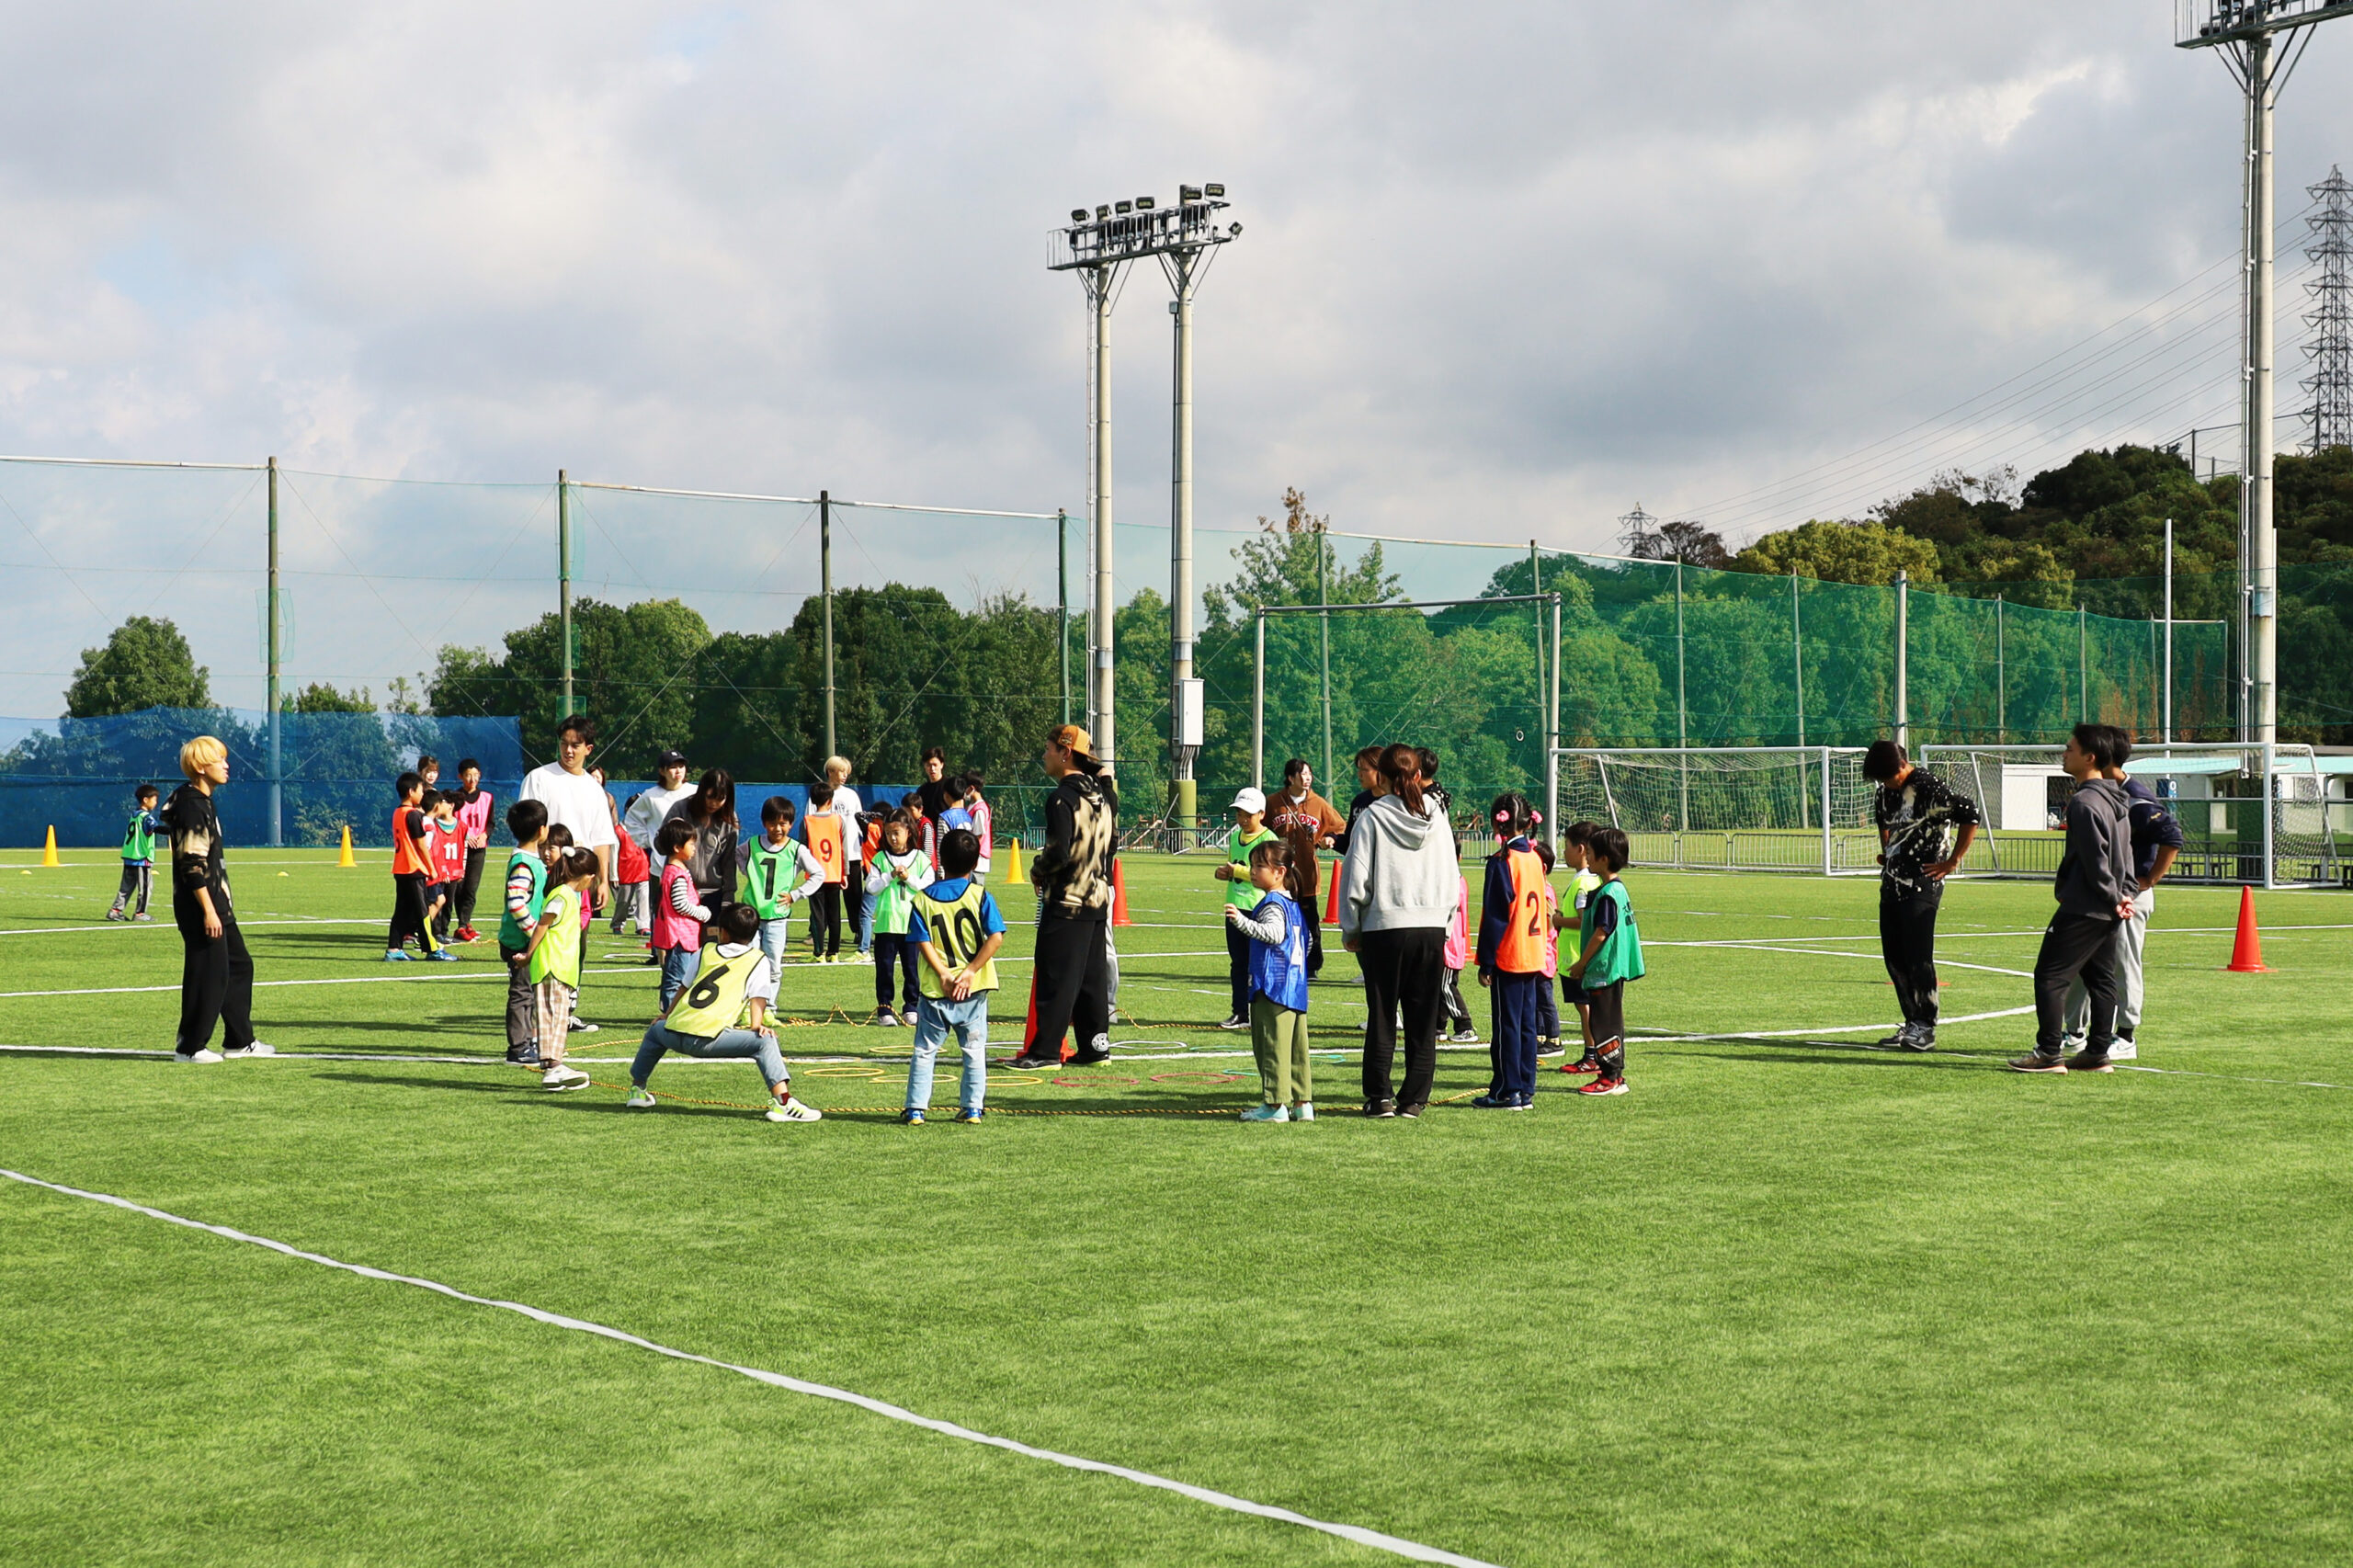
point(216, 972)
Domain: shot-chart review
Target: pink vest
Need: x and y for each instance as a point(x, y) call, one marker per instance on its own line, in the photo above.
point(1457, 952)
point(475, 820)
point(672, 929)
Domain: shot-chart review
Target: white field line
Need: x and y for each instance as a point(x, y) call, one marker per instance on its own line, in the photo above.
point(1395, 1545)
point(1970, 936)
point(1823, 953)
point(168, 926)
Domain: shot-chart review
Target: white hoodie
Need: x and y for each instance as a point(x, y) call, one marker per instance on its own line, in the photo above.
point(1400, 871)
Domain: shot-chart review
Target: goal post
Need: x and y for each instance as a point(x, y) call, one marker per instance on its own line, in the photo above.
point(1727, 808)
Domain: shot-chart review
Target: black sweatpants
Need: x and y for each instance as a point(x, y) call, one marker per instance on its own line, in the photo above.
point(1238, 971)
point(470, 888)
point(893, 951)
point(522, 1006)
point(1307, 911)
point(2075, 945)
point(216, 982)
point(825, 921)
point(1073, 970)
point(1402, 970)
point(1907, 940)
point(1606, 1010)
point(408, 912)
point(1458, 1012)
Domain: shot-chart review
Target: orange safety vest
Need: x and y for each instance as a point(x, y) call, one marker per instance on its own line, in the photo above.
point(1521, 952)
point(406, 861)
point(826, 843)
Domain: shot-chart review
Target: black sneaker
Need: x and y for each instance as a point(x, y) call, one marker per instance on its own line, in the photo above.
point(2035, 1062)
point(1029, 1064)
point(1902, 1037)
point(1087, 1058)
point(1234, 1021)
point(1413, 1108)
point(1380, 1108)
point(1923, 1037)
point(2086, 1061)
point(527, 1057)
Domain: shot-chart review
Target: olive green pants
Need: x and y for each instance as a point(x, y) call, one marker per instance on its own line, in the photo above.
point(1279, 1039)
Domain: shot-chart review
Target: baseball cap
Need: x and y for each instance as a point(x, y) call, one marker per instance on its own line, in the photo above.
point(1247, 799)
point(671, 760)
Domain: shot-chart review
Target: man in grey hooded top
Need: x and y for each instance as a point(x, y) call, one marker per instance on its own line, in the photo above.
point(2095, 889)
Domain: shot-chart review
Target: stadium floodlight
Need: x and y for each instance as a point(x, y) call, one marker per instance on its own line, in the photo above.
point(1183, 239)
point(1078, 214)
point(2250, 35)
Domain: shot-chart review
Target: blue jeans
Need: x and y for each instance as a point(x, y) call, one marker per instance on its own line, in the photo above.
point(677, 971)
point(659, 1042)
point(1517, 999)
point(866, 923)
point(774, 934)
point(934, 1019)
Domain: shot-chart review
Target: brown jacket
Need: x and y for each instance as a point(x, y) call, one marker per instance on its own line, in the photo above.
point(1283, 813)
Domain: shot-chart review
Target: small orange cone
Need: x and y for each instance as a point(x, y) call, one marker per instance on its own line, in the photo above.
point(1332, 899)
point(49, 851)
point(345, 861)
point(2246, 952)
point(1120, 896)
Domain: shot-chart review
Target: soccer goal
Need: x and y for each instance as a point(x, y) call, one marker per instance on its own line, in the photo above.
point(1728, 808)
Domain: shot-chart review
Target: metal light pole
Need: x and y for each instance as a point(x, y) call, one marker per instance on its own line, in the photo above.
point(276, 650)
point(1099, 246)
point(2165, 720)
point(1904, 660)
point(825, 586)
point(1062, 599)
point(564, 580)
point(2247, 34)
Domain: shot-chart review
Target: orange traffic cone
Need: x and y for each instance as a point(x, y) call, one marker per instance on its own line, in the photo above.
point(1120, 896)
point(1332, 899)
point(2246, 952)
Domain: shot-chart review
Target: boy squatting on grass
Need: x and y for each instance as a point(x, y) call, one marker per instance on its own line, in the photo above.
point(555, 963)
point(1611, 954)
point(734, 981)
point(138, 858)
point(1277, 932)
point(957, 929)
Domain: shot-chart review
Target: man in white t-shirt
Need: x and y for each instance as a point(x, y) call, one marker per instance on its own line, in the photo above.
point(575, 799)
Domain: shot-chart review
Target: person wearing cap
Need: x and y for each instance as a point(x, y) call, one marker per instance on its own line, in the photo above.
point(1072, 873)
point(1250, 830)
point(643, 821)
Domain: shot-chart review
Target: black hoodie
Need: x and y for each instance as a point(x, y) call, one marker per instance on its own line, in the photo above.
point(2097, 873)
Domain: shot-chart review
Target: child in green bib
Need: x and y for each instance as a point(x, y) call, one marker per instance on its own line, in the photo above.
point(523, 896)
point(1250, 830)
point(138, 858)
point(1611, 955)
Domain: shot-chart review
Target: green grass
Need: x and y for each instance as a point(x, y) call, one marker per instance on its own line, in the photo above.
point(1789, 1301)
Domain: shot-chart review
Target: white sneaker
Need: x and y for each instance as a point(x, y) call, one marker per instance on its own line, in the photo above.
point(205, 1055)
point(795, 1110)
point(255, 1048)
point(558, 1078)
point(2124, 1050)
point(639, 1099)
point(1302, 1111)
point(581, 1025)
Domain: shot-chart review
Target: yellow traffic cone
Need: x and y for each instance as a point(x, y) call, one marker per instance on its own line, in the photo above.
point(1013, 861)
point(49, 851)
point(344, 863)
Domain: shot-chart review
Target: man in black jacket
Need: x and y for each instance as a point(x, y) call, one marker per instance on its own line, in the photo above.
point(1925, 828)
point(2094, 887)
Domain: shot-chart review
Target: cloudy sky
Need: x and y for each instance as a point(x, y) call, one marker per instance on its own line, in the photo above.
point(1506, 270)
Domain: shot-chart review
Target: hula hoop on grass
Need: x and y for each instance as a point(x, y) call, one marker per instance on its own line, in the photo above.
point(1094, 1083)
point(873, 1075)
point(1216, 1076)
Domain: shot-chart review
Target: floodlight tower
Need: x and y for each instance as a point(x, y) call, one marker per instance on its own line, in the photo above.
point(1184, 238)
point(2261, 40)
point(1081, 249)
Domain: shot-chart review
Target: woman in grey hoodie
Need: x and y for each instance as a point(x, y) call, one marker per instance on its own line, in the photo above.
point(2095, 889)
point(1398, 890)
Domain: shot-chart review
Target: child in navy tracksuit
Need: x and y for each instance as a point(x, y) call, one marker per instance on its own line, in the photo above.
point(1515, 922)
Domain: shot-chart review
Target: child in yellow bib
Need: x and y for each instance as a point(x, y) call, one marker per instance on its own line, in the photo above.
point(957, 931)
point(723, 1013)
point(554, 964)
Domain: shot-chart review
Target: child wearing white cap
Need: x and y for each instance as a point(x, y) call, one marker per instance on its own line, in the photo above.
point(1250, 830)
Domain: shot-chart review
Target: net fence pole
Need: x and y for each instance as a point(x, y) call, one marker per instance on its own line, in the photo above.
point(1552, 729)
point(564, 580)
point(2270, 807)
point(1797, 672)
point(1682, 723)
point(1827, 867)
point(276, 651)
point(2166, 724)
point(1323, 630)
point(1904, 659)
point(825, 586)
point(2001, 672)
point(1258, 703)
point(2083, 664)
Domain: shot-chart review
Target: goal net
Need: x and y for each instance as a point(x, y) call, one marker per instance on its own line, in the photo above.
point(1734, 808)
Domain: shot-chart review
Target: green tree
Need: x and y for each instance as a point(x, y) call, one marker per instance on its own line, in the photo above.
point(321, 698)
point(1865, 552)
point(145, 663)
point(633, 673)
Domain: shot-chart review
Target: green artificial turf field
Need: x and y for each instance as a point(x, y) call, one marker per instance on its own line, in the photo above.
point(1791, 1300)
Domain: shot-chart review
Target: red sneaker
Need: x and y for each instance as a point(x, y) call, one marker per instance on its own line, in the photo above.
point(1583, 1064)
point(468, 934)
point(1603, 1086)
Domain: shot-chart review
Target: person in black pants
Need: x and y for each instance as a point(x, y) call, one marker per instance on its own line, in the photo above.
point(1072, 872)
point(1400, 884)
point(216, 972)
point(1925, 828)
point(2094, 886)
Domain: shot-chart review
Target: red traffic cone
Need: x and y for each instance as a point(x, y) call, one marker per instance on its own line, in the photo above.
point(1120, 896)
point(1332, 899)
point(2246, 951)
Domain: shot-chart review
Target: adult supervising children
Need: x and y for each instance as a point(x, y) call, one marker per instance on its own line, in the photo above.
point(1399, 886)
point(641, 822)
point(1072, 873)
point(216, 972)
point(1925, 828)
point(2156, 840)
point(574, 798)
